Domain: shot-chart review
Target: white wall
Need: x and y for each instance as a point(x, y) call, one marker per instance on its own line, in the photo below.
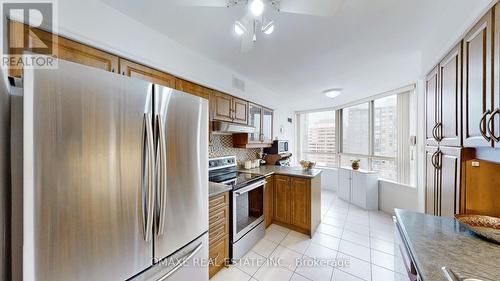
point(393, 195)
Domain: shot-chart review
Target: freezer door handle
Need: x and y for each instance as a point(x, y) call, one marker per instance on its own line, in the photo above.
point(181, 262)
point(162, 174)
point(148, 178)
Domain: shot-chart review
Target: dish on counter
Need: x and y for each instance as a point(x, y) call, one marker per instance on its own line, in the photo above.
point(485, 226)
point(307, 165)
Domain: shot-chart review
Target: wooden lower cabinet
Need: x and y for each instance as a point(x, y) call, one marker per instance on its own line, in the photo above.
point(297, 203)
point(218, 232)
point(300, 198)
point(281, 199)
point(268, 207)
point(218, 253)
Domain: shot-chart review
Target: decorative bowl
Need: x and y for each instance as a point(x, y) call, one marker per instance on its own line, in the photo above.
point(485, 226)
point(307, 165)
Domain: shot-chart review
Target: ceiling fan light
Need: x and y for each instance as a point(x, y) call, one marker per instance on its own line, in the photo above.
point(268, 28)
point(257, 7)
point(239, 28)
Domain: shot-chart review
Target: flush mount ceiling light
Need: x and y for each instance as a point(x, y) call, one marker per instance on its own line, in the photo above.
point(332, 93)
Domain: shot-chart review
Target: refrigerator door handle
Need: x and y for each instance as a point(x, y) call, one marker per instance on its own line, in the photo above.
point(181, 262)
point(148, 171)
point(162, 174)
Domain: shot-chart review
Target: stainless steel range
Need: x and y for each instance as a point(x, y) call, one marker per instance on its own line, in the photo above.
point(247, 204)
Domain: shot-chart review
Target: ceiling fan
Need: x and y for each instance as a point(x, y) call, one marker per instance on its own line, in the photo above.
point(260, 15)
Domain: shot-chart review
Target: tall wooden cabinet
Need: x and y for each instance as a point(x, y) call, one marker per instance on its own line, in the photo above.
point(477, 78)
point(449, 109)
point(431, 107)
point(444, 134)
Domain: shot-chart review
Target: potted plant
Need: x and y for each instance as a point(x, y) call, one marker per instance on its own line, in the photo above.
point(355, 164)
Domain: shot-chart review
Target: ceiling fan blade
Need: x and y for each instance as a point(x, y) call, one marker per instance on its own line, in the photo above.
point(202, 3)
point(247, 42)
point(323, 8)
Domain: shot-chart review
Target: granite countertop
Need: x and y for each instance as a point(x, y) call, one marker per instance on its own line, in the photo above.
point(435, 242)
point(215, 189)
point(268, 170)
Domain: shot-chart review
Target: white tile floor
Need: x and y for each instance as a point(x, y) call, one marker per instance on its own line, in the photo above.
point(364, 238)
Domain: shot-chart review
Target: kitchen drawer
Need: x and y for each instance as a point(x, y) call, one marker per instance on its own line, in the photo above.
point(219, 201)
point(218, 253)
point(216, 231)
point(218, 216)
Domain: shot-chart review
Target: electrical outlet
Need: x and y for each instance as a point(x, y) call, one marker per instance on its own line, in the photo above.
point(475, 163)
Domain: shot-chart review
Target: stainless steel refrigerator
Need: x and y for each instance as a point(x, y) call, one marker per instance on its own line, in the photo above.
point(113, 177)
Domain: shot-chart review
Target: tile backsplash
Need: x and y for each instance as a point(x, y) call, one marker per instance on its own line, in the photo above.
point(222, 145)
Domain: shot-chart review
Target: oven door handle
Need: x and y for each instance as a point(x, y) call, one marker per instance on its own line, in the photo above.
point(250, 187)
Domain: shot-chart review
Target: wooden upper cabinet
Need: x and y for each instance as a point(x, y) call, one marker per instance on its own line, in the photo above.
point(281, 202)
point(63, 48)
point(431, 106)
point(449, 129)
point(192, 88)
point(222, 107)
point(135, 70)
point(477, 88)
point(267, 125)
point(230, 109)
point(300, 202)
point(255, 120)
point(240, 111)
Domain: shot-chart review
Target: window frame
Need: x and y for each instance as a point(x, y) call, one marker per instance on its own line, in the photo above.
point(371, 156)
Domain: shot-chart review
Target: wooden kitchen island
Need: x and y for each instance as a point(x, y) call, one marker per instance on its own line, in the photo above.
point(292, 197)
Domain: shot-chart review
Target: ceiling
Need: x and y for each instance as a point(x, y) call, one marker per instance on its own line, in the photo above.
point(367, 48)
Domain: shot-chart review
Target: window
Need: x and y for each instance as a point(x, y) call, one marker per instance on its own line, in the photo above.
point(375, 132)
point(355, 126)
point(317, 138)
point(385, 136)
point(385, 126)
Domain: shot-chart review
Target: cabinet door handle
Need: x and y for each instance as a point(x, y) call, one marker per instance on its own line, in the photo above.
point(489, 126)
point(438, 159)
point(432, 159)
point(434, 131)
point(439, 131)
point(482, 128)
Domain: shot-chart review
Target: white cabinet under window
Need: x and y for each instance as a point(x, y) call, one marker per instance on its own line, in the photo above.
point(358, 187)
